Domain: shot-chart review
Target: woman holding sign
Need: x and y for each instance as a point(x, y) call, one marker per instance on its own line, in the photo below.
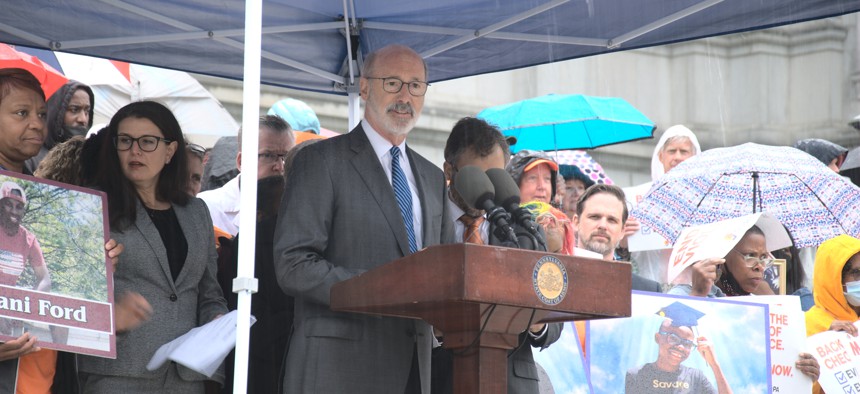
point(170, 257)
point(836, 288)
point(739, 273)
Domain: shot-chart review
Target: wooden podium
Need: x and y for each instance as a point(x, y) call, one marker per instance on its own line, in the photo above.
point(483, 297)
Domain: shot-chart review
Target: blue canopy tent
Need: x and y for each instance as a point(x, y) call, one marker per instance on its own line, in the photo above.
point(320, 45)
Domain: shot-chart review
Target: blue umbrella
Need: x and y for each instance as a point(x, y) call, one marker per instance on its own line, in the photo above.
point(555, 122)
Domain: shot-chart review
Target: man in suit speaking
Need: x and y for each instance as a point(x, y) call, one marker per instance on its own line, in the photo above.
point(353, 203)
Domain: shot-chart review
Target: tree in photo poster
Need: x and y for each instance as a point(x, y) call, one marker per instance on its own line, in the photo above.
point(68, 225)
point(674, 344)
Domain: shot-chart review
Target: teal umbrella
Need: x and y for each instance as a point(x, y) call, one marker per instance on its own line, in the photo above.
point(569, 121)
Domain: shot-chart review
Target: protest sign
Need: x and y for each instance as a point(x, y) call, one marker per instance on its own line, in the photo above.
point(564, 363)
point(787, 341)
point(838, 356)
point(646, 238)
point(55, 278)
point(715, 240)
point(631, 354)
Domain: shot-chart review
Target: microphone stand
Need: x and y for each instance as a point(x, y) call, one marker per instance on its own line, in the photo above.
point(503, 230)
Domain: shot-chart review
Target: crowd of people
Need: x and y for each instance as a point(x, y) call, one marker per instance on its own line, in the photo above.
point(329, 210)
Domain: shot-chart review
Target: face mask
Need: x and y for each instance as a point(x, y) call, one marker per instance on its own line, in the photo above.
point(852, 293)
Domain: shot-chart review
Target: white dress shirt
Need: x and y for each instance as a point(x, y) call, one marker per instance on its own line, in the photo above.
point(380, 147)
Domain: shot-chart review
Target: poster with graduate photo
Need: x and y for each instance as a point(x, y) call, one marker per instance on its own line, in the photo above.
point(55, 278)
point(678, 344)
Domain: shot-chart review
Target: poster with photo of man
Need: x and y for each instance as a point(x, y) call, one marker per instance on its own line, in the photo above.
point(55, 280)
point(679, 345)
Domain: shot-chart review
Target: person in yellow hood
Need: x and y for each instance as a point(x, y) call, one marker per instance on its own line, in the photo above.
point(836, 289)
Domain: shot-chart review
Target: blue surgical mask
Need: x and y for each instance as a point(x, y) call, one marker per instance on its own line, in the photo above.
point(852, 293)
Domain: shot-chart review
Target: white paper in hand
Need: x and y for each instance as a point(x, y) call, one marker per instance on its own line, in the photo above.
point(203, 348)
point(717, 239)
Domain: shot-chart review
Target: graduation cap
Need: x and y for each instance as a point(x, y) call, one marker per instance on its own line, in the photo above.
point(681, 315)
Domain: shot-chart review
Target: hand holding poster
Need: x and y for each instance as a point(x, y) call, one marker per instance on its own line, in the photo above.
point(717, 239)
point(55, 280)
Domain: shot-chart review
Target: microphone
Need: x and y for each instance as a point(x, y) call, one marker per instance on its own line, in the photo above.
point(477, 190)
point(508, 197)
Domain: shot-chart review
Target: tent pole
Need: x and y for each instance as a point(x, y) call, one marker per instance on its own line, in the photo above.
point(351, 87)
point(354, 110)
point(245, 284)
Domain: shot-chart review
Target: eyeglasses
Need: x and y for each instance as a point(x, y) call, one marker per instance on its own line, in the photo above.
point(674, 340)
point(551, 221)
point(271, 158)
point(393, 85)
point(750, 260)
point(146, 143)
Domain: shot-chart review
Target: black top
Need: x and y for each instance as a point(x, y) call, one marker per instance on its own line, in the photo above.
point(172, 236)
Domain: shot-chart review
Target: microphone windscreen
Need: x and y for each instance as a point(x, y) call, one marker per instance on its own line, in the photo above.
point(473, 185)
point(507, 191)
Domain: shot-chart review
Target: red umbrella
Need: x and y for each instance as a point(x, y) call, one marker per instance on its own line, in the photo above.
point(50, 78)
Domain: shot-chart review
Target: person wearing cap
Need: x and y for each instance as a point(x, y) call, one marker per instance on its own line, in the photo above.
point(275, 140)
point(20, 246)
point(676, 339)
point(535, 173)
point(301, 118)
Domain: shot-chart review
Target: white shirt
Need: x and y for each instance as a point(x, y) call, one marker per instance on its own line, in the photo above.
point(380, 147)
point(223, 204)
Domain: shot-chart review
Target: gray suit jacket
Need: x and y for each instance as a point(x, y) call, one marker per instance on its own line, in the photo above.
point(339, 217)
point(194, 299)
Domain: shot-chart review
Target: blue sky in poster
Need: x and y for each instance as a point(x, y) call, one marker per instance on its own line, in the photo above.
point(564, 364)
point(736, 330)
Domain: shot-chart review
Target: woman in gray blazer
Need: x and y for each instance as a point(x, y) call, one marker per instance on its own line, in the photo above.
point(169, 257)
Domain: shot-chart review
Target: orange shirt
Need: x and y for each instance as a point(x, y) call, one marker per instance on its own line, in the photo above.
point(36, 372)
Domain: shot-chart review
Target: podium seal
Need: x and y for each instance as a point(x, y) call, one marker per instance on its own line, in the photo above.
point(549, 279)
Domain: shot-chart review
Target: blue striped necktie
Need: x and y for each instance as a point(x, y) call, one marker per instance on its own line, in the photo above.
point(404, 196)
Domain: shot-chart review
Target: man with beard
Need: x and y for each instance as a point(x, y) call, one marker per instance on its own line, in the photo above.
point(361, 200)
point(676, 340)
point(274, 139)
point(18, 246)
point(70, 113)
point(599, 221)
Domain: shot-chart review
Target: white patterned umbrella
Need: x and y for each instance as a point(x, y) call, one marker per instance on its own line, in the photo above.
point(812, 201)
